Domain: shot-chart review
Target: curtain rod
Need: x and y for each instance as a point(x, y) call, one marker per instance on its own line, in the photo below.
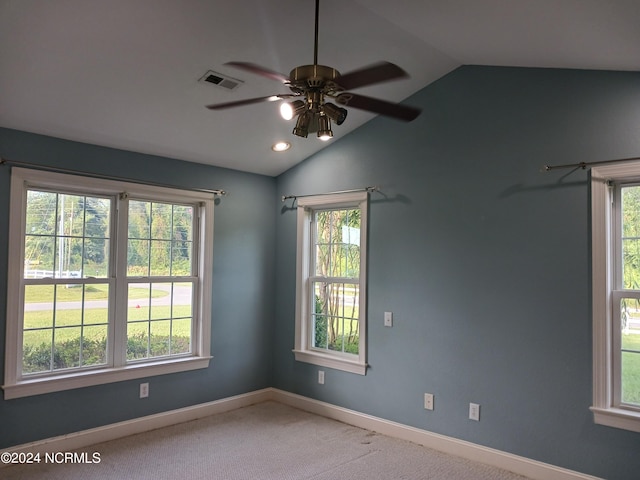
point(365, 189)
point(35, 166)
point(584, 165)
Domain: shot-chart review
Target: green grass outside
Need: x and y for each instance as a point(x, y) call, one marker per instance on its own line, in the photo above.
point(631, 369)
point(44, 293)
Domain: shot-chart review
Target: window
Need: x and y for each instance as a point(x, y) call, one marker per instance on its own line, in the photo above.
point(331, 281)
point(107, 282)
point(616, 294)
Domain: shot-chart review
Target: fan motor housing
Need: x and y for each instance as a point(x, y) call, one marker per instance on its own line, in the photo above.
point(313, 76)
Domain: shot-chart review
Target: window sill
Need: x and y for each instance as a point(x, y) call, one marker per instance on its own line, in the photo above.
point(331, 361)
point(617, 418)
point(37, 386)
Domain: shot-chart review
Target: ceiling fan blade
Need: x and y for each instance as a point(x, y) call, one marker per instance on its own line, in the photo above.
point(249, 101)
point(382, 107)
point(376, 73)
point(258, 70)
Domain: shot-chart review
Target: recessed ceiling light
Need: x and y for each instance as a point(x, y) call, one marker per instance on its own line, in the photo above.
point(281, 146)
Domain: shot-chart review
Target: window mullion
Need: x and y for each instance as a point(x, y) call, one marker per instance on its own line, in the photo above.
point(119, 295)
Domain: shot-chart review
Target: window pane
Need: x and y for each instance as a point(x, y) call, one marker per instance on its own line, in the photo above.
point(161, 221)
point(94, 345)
point(96, 298)
point(139, 219)
point(160, 239)
point(181, 258)
point(68, 311)
point(181, 336)
point(320, 329)
point(138, 300)
point(337, 260)
point(335, 319)
point(37, 351)
point(138, 258)
point(160, 258)
point(96, 255)
point(353, 261)
point(631, 376)
point(631, 237)
point(41, 213)
point(69, 257)
point(97, 217)
point(66, 347)
point(630, 346)
point(161, 301)
point(182, 300)
point(160, 314)
point(160, 338)
point(70, 215)
point(38, 306)
point(323, 259)
point(159, 319)
point(137, 340)
point(96, 237)
point(56, 228)
point(183, 223)
point(59, 316)
point(39, 256)
point(337, 251)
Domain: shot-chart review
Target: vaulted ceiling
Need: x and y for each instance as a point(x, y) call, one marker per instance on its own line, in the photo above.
point(125, 73)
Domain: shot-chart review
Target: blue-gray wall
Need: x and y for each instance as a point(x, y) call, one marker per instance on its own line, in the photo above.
point(483, 259)
point(242, 302)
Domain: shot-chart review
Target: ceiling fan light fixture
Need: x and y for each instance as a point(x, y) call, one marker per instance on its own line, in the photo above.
point(288, 110)
point(302, 125)
point(335, 113)
point(324, 128)
point(312, 83)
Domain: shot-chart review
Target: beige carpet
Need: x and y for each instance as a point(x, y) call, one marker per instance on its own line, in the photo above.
point(268, 441)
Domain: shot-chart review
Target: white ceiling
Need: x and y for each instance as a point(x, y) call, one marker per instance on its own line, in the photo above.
point(124, 73)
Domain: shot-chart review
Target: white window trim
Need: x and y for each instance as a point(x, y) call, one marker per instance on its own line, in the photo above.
point(606, 410)
point(15, 387)
point(303, 352)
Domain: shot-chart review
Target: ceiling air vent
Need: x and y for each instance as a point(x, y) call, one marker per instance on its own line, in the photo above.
point(219, 80)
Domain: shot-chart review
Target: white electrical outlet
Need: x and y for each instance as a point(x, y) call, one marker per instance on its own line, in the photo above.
point(388, 319)
point(428, 401)
point(474, 412)
point(144, 390)
point(321, 377)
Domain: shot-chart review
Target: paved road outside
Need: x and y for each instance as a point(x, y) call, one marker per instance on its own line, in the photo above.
point(181, 296)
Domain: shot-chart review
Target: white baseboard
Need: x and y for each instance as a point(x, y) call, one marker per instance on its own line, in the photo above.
point(514, 463)
point(521, 465)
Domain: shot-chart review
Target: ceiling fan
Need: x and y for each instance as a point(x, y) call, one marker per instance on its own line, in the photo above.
point(311, 85)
